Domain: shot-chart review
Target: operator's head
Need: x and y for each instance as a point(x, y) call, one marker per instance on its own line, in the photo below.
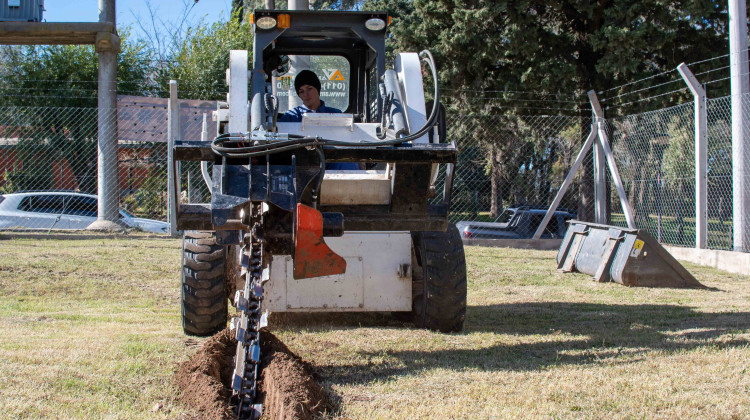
point(307, 86)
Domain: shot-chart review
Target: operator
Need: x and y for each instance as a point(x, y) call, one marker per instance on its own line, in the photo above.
point(307, 86)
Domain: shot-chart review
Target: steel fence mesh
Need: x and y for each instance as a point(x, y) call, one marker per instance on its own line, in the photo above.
point(48, 148)
point(50, 156)
point(655, 155)
point(719, 176)
point(509, 161)
point(504, 161)
point(745, 176)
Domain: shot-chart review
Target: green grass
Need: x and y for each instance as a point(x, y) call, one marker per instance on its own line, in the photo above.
point(91, 329)
point(538, 343)
point(719, 233)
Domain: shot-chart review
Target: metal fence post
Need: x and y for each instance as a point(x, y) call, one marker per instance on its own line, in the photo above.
point(701, 152)
point(626, 209)
point(173, 174)
point(740, 86)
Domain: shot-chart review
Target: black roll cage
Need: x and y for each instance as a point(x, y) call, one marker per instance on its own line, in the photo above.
point(338, 33)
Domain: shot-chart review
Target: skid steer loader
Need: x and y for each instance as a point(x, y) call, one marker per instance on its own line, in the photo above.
point(284, 232)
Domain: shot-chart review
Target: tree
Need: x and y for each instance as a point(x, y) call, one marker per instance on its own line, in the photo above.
point(66, 75)
point(240, 8)
point(200, 61)
point(555, 46)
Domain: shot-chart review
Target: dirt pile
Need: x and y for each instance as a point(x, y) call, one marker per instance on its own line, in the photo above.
point(204, 379)
point(289, 384)
point(288, 388)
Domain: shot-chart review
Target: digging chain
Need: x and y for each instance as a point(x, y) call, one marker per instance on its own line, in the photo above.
point(247, 326)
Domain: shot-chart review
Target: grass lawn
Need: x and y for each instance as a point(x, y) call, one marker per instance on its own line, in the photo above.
point(91, 329)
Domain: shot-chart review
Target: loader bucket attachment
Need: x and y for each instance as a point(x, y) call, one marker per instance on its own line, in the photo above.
point(312, 257)
point(631, 257)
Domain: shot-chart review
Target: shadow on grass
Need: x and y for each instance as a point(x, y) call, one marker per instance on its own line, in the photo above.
point(542, 335)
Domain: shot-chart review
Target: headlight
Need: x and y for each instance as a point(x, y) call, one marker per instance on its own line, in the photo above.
point(375, 24)
point(266, 22)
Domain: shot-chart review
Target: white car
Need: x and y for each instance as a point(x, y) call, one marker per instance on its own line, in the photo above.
point(61, 210)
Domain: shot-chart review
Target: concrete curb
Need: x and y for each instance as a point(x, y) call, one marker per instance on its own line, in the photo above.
point(537, 244)
point(733, 262)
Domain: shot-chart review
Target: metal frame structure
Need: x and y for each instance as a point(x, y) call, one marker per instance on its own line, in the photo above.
point(602, 151)
point(598, 132)
point(701, 156)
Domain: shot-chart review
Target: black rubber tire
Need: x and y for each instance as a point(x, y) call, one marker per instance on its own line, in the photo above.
point(204, 293)
point(439, 280)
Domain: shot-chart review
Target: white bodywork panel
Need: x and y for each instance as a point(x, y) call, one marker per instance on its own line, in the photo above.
point(339, 128)
point(355, 187)
point(409, 72)
point(237, 81)
point(371, 281)
point(327, 120)
point(345, 187)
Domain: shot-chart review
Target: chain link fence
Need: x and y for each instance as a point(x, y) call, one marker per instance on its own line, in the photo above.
point(48, 165)
point(719, 176)
point(655, 155)
point(504, 161)
point(510, 161)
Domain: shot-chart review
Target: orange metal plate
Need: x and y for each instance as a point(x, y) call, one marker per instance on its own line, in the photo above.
point(312, 257)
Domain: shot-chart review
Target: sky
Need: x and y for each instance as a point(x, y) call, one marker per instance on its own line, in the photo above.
point(129, 12)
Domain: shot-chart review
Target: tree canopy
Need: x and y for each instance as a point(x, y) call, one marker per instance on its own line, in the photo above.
point(200, 61)
point(560, 47)
point(66, 75)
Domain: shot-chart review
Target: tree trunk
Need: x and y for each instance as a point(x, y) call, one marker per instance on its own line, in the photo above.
point(496, 199)
point(586, 185)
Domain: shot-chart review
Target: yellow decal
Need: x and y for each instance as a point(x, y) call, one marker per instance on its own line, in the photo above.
point(637, 248)
point(337, 76)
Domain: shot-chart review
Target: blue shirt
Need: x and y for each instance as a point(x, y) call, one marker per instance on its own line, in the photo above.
point(295, 114)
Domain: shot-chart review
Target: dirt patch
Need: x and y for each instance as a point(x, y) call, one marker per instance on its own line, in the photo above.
point(288, 385)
